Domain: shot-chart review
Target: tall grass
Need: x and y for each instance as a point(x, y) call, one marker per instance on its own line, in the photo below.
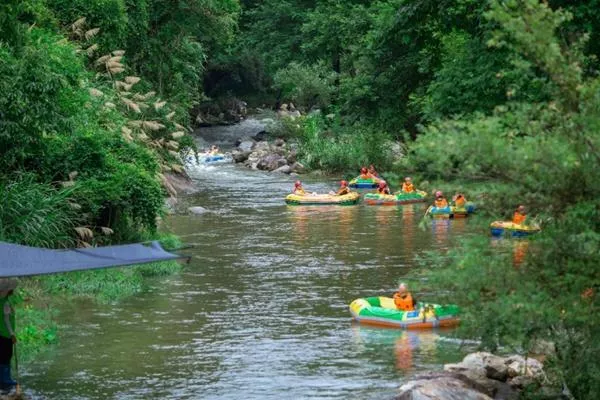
point(336, 148)
point(36, 214)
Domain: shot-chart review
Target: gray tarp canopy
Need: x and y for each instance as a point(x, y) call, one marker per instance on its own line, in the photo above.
point(17, 260)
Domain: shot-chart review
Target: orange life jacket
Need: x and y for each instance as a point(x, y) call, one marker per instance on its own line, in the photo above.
point(366, 176)
point(460, 201)
point(299, 191)
point(408, 187)
point(404, 301)
point(441, 203)
point(519, 218)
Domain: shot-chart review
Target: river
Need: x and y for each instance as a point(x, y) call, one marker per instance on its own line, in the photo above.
point(261, 312)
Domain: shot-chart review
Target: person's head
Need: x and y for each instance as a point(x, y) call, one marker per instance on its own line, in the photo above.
point(382, 184)
point(363, 170)
point(439, 194)
point(371, 167)
point(402, 288)
point(408, 179)
point(297, 184)
point(343, 184)
point(521, 209)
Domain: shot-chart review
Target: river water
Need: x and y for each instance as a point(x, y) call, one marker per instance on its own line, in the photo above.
point(261, 312)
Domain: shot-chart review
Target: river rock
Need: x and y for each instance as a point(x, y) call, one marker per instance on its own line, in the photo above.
point(530, 367)
point(279, 142)
point(261, 136)
point(262, 146)
point(481, 365)
point(241, 156)
point(440, 386)
point(286, 169)
point(246, 145)
point(271, 162)
point(197, 210)
point(170, 204)
point(292, 156)
point(298, 168)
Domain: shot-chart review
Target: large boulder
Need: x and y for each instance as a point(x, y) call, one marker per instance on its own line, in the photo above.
point(481, 365)
point(246, 145)
point(440, 386)
point(271, 162)
point(286, 169)
point(241, 156)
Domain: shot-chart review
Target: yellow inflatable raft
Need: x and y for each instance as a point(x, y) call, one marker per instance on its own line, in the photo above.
point(322, 199)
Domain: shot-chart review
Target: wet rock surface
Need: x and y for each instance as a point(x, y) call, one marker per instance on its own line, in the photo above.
point(478, 376)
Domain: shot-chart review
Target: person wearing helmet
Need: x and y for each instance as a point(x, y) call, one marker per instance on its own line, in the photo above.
point(372, 171)
point(343, 190)
point(364, 173)
point(403, 299)
point(383, 188)
point(520, 215)
point(460, 200)
point(298, 189)
point(407, 185)
point(440, 200)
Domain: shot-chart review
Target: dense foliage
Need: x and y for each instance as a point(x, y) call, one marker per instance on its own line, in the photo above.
point(503, 92)
point(500, 92)
point(94, 102)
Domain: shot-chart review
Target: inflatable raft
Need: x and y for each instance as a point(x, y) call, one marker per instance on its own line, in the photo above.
point(322, 199)
point(382, 311)
point(462, 212)
point(377, 199)
point(213, 158)
point(439, 213)
point(359, 183)
point(500, 228)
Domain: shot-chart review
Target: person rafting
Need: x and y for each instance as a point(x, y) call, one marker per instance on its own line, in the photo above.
point(213, 150)
point(440, 200)
point(407, 185)
point(403, 299)
point(520, 215)
point(343, 190)
point(460, 201)
point(364, 174)
point(383, 188)
point(298, 189)
point(7, 334)
point(373, 171)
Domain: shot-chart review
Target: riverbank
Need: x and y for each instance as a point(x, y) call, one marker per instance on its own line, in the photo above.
point(38, 299)
point(479, 376)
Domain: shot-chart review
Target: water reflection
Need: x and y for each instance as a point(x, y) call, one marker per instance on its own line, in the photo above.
point(409, 347)
point(441, 230)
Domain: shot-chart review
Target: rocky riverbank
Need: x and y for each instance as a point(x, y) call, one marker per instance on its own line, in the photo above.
point(480, 376)
point(276, 156)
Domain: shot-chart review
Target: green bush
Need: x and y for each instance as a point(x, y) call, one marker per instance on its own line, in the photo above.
point(307, 86)
point(331, 147)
